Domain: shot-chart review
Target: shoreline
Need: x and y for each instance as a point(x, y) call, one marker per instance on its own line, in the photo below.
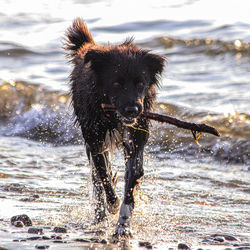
point(46, 237)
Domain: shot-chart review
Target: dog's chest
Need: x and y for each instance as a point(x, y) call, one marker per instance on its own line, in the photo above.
point(113, 140)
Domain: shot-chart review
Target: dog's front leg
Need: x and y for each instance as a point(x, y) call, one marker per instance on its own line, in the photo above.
point(134, 146)
point(98, 191)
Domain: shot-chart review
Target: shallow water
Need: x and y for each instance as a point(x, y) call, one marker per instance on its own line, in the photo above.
point(178, 200)
point(189, 194)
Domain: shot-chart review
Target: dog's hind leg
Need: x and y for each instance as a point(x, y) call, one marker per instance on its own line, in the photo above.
point(113, 207)
point(102, 166)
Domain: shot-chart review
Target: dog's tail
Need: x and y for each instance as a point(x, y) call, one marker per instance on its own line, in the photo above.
point(77, 36)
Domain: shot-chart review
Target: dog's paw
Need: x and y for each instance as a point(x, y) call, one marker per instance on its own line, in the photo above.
point(123, 223)
point(122, 230)
point(113, 208)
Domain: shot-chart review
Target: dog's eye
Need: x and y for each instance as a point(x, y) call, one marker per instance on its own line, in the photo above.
point(116, 84)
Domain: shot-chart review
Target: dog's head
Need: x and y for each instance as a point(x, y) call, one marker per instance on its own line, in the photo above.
point(124, 76)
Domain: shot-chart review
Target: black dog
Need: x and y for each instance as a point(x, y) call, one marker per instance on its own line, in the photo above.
point(124, 76)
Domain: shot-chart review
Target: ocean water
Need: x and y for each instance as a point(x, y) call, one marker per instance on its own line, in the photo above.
point(189, 193)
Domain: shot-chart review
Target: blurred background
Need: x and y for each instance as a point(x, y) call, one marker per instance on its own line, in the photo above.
point(207, 45)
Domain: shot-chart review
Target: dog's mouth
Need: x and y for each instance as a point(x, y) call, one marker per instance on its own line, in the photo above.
point(125, 120)
point(128, 122)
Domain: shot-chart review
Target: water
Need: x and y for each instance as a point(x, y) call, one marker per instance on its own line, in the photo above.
point(189, 193)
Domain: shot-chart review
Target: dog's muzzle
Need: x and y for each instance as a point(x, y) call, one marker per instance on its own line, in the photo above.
point(127, 121)
point(129, 114)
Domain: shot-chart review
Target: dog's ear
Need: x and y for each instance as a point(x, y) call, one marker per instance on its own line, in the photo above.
point(155, 64)
point(97, 58)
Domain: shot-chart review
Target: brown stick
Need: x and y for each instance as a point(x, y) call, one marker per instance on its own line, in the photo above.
point(168, 119)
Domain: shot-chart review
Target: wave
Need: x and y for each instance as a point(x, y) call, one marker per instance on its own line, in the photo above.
point(198, 45)
point(8, 49)
point(232, 147)
point(30, 111)
point(16, 52)
point(206, 46)
point(209, 46)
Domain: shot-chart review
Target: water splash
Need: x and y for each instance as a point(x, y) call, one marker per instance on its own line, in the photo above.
point(32, 112)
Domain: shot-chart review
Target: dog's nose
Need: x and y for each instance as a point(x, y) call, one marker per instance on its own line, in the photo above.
point(131, 111)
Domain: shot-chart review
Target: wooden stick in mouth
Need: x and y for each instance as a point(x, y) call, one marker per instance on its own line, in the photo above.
point(194, 127)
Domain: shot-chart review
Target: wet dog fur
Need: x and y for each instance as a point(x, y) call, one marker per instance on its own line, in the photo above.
point(125, 76)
